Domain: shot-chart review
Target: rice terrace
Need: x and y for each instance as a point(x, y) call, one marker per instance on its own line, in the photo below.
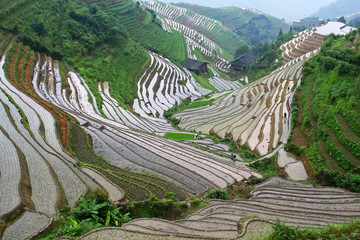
point(125, 119)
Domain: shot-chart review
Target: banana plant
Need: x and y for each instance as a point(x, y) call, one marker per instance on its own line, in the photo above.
point(116, 218)
point(86, 210)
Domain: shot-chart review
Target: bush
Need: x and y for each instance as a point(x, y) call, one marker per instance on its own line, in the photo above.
point(218, 194)
point(283, 232)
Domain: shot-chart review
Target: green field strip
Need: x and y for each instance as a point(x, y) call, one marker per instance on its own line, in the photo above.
point(132, 190)
point(17, 11)
point(343, 150)
point(347, 130)
point(154, 189)
point(330, 160)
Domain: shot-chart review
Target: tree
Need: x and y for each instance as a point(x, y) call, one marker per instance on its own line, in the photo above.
point(39, 29)
point(280, 33)
point(342, 19)
point(242, 50)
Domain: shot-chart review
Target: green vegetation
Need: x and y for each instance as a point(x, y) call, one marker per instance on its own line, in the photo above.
point(186, 104)
point(102, 40)
point(330, 118)
point(93, 211)
point(349, 231)
point(169, 208)
point(255, 27)
point(267, 167)
point(218, 194)
point(179, 136)
point(144, 28)
point(204, 82)
point(266, 54)
point(226, 39)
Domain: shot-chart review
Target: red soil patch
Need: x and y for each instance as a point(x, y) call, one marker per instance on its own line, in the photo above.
point(59, 115)
point(12, 64)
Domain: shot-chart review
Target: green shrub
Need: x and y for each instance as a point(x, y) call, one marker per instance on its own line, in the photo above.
point(218, 194)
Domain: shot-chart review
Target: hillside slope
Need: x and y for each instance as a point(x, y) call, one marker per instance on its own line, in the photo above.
point(103, 41)
point(210, 28)
point(338, 8)
point(250, 24)
point(328, 116)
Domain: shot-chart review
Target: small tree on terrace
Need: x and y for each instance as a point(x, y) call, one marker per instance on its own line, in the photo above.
point(39, 29)
point(342, 19)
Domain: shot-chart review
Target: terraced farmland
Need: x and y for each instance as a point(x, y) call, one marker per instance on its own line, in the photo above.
point(36, 168)
point(144, 122)
point(150, 35)
point(337, 151)
point(197, 41)
point(257, 115)
point(252, 115)
point(297, 204)
point(125, 148)
point(196, 26)
point(311, 39)
point(161, 87)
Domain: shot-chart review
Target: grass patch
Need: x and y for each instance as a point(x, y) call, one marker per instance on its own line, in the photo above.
point(148, 18)
point(267, 167)
point(350, 230)
point(179, 136)
point(204, 82)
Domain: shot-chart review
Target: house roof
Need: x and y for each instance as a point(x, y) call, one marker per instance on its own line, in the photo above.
point(243, 60)
point(192, 64)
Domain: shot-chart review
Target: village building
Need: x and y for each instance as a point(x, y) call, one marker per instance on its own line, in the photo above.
point(241, 62)
point(195, 66)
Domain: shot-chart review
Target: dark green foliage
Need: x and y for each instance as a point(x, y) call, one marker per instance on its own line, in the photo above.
point(267, 167)
point(169, 208)
point(266, 53)
point(251, 27)
point(39, 29)
point(350, 230)
point(243, 50)
point(342, 19)
point(331, 92)
point(283, 232)
point(91, 212)
point(218, 194)
point(290, 147)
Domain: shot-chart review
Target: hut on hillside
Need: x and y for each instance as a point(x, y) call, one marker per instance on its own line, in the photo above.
point(195, 65)
point(241, 62)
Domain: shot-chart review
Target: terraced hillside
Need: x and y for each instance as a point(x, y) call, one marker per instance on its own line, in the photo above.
point(256, 115)
point(254, 24)
point(328, 113)
point(311, 39)
point(145, 29)
point(252, 115)
point(37, 176)
point(94, 37)
point(37, 104)
point(205, 26)
point(297, 204)
point(114, 141)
